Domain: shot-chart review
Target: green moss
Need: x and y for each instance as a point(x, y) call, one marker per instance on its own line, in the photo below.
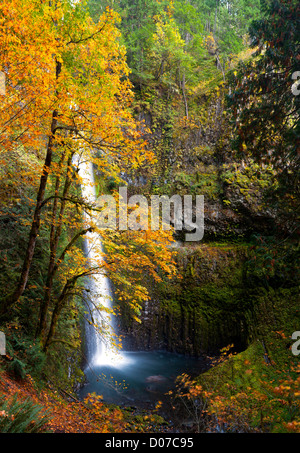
point(208, 304)
point(264, 365)
point(216, 301)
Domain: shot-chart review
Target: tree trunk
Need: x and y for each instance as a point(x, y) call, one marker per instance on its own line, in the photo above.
point(69, 286)
point(54, 240)
point(55, 315)
point(11, 299)
point(52, 271)
point(216, 16)
point(184, 97)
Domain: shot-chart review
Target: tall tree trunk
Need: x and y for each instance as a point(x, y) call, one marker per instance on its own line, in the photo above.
point(54, 240)
point(184, 97)
point(12, 298)
point(40, 332)
point(55, 203)
point(56, 312)
point(60, 303)
point(216, 16)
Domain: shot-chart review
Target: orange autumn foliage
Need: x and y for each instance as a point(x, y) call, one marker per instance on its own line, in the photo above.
point(66, 414)
point(67, 95)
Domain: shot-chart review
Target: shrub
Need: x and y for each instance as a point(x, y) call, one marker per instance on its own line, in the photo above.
point(21, 416)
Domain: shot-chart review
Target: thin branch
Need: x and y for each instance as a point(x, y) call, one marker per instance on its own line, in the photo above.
point(79, 41)
point(70, 245)
point(77, 201)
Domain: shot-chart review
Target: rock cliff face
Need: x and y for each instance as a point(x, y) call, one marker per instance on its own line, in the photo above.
point(195, 158)
point(204, 310)
point(209, 307)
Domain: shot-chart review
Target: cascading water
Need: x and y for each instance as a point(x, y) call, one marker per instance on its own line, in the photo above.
point(119, 376)
point(102, 348)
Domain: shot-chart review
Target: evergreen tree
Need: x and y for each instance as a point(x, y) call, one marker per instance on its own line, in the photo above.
point(264, 101)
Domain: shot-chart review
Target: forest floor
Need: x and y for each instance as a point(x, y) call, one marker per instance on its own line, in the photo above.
point(66, 414)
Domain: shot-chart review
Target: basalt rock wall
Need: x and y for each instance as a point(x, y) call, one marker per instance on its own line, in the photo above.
point(206, 308)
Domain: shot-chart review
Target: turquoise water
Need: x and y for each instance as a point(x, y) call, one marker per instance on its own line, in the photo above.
point(141, 378)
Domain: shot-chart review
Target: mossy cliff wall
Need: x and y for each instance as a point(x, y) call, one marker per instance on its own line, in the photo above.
point(204, 310)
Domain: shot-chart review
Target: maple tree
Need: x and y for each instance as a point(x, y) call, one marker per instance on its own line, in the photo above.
point(75, 95)
point(48, 75)
point(68, 99)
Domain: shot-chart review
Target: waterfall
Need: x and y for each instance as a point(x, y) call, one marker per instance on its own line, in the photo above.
point(102, 349)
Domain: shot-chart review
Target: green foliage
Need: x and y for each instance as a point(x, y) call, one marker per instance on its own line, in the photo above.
point(250, 184)
point(21, 416)
point(179, 54)
point(26, 353)
point(17, 368)
point(209, 303)
point(258, 389)
point(265, 112)
point(186, 27)
point(273, 264)
point(204, 182)
point(17, 187)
